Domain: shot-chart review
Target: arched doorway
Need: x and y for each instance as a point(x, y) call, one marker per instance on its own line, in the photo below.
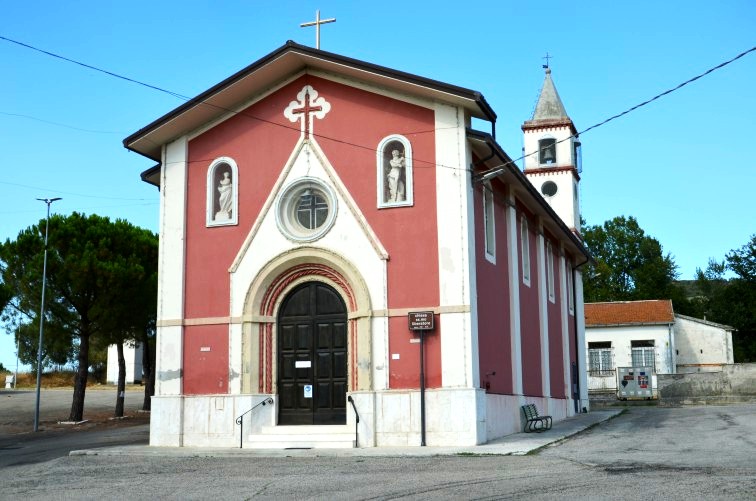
point(312, 356)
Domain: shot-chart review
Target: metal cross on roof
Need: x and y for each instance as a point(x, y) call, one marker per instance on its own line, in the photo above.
point(547, 57)
point(317, 22)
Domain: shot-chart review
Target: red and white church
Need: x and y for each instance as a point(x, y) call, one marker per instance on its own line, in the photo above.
point(308, 203)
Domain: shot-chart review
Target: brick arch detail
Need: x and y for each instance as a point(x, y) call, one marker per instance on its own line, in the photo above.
point(273, 296)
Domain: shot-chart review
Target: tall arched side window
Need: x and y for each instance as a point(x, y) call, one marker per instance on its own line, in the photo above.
point(394, 172)
point(550, 271)
point(222, 192)
point(525, 250)
point(489, 227)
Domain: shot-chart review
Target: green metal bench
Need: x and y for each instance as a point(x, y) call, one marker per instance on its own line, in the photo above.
point(534, 421)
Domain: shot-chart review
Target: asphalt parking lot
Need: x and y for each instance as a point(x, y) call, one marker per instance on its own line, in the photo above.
point(665, 453)
point(20, 445)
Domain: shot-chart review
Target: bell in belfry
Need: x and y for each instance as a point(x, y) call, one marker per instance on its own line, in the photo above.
point(548, 155)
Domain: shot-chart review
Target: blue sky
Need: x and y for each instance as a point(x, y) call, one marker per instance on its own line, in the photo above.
point(679, 165)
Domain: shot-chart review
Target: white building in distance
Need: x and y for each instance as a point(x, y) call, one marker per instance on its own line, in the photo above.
point(650, 334)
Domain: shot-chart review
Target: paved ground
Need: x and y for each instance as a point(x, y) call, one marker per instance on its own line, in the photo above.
point(664, 453)
point(19, 444)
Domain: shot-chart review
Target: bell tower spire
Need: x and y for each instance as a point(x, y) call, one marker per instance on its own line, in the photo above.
point(552, 153)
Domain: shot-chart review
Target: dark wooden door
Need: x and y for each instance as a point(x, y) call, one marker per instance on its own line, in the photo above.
point(312, 354)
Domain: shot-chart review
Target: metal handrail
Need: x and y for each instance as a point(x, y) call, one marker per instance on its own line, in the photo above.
point(356, 423)
point(240, 420)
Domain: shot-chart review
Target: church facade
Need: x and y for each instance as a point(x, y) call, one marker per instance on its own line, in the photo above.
point(309, 203)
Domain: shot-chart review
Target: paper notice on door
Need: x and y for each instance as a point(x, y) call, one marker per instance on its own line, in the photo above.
point(302, 364)
point(308, 391)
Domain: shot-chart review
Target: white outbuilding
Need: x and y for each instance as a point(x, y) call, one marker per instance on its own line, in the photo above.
point(650, 334)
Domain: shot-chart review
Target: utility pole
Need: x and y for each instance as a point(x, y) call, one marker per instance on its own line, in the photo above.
point(48, 201)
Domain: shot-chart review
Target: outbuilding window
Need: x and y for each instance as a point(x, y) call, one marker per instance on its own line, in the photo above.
point(643, 353)
point(600, 359)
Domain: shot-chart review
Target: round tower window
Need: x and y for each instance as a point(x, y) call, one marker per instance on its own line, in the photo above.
point(549, 189)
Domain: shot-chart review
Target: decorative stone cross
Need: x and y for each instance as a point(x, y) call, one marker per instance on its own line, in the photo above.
point(317, 22)
point(307, 107)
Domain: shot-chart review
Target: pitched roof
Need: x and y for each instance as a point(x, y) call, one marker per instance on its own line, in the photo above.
point(705, 322)
point(629, 313)
point(549, 110)
point(271, 69)
point(549, 104)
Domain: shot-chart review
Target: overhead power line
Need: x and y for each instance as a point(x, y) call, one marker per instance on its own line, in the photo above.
point(669, 91)
point(629, 110)
point(57, 124)
point(186, 98)
point(95, 68)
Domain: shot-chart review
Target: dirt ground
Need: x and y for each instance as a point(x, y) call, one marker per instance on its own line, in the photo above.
point(17, 409)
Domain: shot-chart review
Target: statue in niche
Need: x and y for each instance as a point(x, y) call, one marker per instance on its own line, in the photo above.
point(225, 198)
point(394, 189)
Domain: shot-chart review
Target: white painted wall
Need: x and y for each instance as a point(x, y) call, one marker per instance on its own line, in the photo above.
point(582, 364)
point(702, 346)
point(563, 148)
point(456, 249)
point(566, 200)
point(166, 417)
point(133, 357)
point(621, 338)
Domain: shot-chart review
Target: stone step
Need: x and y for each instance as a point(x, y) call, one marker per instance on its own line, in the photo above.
point(300, 444)
point(308, 429)
point(303, 437)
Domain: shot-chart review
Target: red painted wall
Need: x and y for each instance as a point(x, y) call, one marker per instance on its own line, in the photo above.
point(260, 140)
point(529, 318)
point(556, 360)
point(205, 359)
point(493, 298)
point(404, 372)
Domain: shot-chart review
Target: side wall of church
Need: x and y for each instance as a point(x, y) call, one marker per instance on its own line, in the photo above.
point(529, 309)
point(493, 296)
point(555, 336)
point(544, 316)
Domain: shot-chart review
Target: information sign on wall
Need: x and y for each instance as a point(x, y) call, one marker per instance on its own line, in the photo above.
point(420, 320)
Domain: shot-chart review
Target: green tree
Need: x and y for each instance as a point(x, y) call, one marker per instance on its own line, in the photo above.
point(57, 345)
point(89, 282)
point(133, 309)
point(629, 265)
point(732, 301)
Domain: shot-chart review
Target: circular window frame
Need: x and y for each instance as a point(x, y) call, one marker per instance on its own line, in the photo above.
point(287, 204)
point(549, 184)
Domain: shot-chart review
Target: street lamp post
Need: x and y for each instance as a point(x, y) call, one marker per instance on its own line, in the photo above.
point(48, 201)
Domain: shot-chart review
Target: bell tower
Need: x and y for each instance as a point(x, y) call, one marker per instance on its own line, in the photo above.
point(552, 154)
